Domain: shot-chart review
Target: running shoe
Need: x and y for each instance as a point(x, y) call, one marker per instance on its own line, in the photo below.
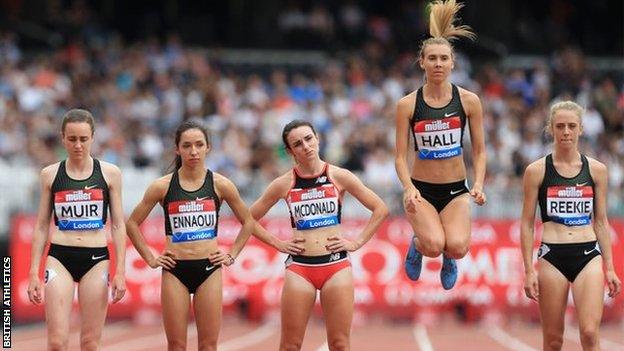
point(413, 262)
point(448, 273)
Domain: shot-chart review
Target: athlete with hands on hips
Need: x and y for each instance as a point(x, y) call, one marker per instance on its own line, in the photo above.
point(191, 197)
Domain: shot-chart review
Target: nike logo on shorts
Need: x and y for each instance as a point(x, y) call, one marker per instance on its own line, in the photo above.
point(453, 192)
point(588, 252)
point(450, 114)
point(87, 187)
point(577, 184)
point(94, 257)
point(209, 268)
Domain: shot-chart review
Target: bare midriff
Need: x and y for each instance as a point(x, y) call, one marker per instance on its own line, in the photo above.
point(556, 233)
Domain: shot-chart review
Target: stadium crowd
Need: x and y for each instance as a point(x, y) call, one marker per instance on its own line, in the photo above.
point(140, 92)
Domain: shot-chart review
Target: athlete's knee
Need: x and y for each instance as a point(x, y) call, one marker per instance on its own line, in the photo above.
point(589, 336)
point(457, 250)
point(176, 345)
point(553, 342)
point(338, 344)
point(291, 345)
point(57, 343)
point(89, 344)
point(207, 344)
point(431, 247)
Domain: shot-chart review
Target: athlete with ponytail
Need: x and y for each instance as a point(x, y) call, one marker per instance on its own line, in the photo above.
point(436, 194)
point(571, 190)
point(191, 197)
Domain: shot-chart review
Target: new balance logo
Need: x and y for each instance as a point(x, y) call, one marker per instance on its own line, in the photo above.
point(321, 179)
point(450, 114)
point(334, 257)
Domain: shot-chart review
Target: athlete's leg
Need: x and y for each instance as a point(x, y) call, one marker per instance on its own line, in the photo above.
point(175, 301)
point(298, 296)
point(428, 230)
point(93, 300)
point(455, 218)
point(588, 294)
point(59, 294)
point(553, 298)
point(337, 301)
point(207, 308)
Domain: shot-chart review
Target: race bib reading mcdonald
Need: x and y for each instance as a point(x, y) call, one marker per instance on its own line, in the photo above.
point(314, 207)
point(570, 205)
point(192, 220)
point(79, 209)
point(438, 138)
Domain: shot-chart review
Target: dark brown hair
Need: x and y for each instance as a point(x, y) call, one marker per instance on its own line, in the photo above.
point(77, 115)
point(292, 125)
point(183, 127)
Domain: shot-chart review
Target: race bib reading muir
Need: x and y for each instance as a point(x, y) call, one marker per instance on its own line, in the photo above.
point(79, 209)
point(439, 138)
point(570, 205)
point(192, 220)
point(314, 207)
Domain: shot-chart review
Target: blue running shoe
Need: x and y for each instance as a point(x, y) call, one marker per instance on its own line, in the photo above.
point(413, 262)
point(448, 274)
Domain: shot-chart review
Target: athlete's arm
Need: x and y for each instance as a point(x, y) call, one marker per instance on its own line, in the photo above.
point(118, 229)
point(601, 224)
point(273, 193)
point(40, 234)
point(533, 176)
point(154, 194)
point(474, 112)
point(410, 193)
point(352, 184)
point(228, 192)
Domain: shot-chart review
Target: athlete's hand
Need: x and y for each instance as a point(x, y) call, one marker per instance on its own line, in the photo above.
point(291, 247)
point(531, 287)
point(411, 197)
point(35, 290)
point(221, 258)
point(478, 195)
point(613, 282)
point(118, 287)
point(338, 244)
point(165, 260)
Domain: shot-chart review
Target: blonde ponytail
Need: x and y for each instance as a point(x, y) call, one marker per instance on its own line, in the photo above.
point(442, 18)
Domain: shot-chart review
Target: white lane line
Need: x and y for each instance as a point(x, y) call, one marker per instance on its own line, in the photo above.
point(573, 334)
point(324, 347)
point(507, 340)
point(422, 339)
point(259, 334)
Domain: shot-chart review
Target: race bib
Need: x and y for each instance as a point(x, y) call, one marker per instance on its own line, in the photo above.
point(79, 209)
point(438, 138)
point(314, 207)
point(192, 220)
point(570, 205)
